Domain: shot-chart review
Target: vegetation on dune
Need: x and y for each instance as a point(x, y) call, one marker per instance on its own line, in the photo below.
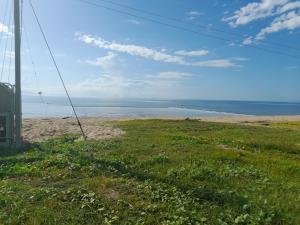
point(159, 172)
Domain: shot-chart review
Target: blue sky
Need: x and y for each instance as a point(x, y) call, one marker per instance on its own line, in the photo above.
point(105, 54)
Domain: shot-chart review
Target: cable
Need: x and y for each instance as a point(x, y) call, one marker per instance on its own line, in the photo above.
point(2, 33)
point(6, 43)
point(151, 20)
point(4, 18)
point(10, 58)
point(57, 69)
point(193, 24)
point(188, 30)
point(33, 64)
point(11, 52)
point(22, 4)
point(184, 29)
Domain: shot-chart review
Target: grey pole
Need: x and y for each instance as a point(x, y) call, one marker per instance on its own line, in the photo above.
point(18, 101)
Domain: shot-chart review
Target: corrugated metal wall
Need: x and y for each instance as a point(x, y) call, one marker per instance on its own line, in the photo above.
point(6, 114)
point(6, 98)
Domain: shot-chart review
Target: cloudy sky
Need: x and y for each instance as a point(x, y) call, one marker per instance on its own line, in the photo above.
point(170, 49)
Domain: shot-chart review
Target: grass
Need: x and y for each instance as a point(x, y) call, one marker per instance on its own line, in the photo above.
point(291, 125)
point(159, 172)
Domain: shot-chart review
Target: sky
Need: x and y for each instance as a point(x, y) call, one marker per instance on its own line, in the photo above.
point(211, 49)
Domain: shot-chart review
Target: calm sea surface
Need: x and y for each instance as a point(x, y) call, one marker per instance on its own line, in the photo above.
point(58, 107)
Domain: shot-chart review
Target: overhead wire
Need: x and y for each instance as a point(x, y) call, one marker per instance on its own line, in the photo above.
point(193, 24)
point(57, 68)
point(150, 19)
point(33, 63)
point(6, 43)
point(4, 19)
point(187, 29)
point(21, 22)
point(11, 56)
point(3, 32)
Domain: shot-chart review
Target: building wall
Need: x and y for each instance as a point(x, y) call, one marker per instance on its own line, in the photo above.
point(6, 99)
point(7, 115)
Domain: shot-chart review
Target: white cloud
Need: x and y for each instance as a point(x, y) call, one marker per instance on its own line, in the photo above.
point(116, 85)
point(173, 75)
point(106, 62)
point(288, 21)
point(135, 50)
point(130, 49)
point(240, 59)
point(219, 63)
point(104, 85)
point(3, 28)
point(289, 6)
point(153, 54)
point(135, 22)
point(113, 84)
point(286, 13)
point(111, 81)
point(193, 15)
point(192, 53)
point(248, 41)
point(254, 11)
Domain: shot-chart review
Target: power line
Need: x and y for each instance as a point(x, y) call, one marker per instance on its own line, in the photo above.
point(2, 33)
point(152, 20)
point(29, 49)
point(10, 58)
point(6, 43)
point(193, 24)
point(57, 69)
point(187, 30)
point(33, 64)
point(4, 18)
point(22, 4)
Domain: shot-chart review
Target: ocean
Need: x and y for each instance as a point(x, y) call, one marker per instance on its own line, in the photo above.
point(139, 108)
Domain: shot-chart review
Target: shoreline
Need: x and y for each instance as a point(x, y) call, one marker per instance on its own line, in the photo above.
point(95, 128)
point(236, 118)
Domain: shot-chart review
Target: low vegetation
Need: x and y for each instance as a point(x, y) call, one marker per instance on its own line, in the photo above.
point(159, 172)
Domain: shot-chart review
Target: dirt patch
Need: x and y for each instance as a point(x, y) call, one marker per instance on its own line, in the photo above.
point(37, 130)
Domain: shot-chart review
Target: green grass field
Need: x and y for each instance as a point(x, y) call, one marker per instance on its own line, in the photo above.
point(159, 172)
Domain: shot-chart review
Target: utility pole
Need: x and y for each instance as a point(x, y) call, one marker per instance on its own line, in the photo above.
point(18, 98)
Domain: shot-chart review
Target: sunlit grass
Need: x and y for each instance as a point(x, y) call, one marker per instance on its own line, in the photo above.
point(291, 125)
point(160, 172)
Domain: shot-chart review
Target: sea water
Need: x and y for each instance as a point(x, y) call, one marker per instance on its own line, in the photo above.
point(139, 108)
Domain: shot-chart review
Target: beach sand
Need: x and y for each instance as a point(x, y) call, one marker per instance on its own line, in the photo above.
point(37, 130)
point(251, 119)
point(41, 129)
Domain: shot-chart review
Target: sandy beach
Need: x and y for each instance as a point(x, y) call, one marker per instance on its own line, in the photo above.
point(251, 119)
point(40, 129)
point(37, 130)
